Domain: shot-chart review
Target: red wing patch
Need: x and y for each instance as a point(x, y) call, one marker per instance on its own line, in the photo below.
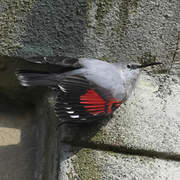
point(111, 103)
point(93, 103)
point(79, 100)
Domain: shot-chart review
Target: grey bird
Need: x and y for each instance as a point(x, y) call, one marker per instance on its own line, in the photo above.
point(87, 89)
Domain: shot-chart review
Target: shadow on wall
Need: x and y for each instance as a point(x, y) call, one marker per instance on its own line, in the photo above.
point(17, 141)
point(54, 28)
point(22, 132)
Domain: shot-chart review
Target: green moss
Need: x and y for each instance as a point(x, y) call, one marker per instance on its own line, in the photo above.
point(135, 3)
point(101, 136)
point(125, 8)
point(123, 18)
point(147, 58)
point(108, 59)
point(85, 166)
point(163, 71)
point(13, 13)
point(103, 8)
point(88, 8)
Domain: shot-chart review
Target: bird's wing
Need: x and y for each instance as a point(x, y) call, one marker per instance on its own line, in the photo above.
point(79, 100)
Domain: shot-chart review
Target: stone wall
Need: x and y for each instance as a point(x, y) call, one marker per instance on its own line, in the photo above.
point(142, 140)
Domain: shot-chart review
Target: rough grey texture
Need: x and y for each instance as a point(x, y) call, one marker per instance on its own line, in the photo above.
point(12, 17)
point(92, 164)
point(55, 27)
point(138, 30)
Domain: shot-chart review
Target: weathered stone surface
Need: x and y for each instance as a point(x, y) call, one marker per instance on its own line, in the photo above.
point(92, 164)
point(137, 30)
point(12, 18)
point(43, 27)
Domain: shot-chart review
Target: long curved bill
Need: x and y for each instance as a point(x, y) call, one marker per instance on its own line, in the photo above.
point(144, 65)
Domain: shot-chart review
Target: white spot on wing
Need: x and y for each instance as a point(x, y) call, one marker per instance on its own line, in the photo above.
point(83, 119)
point(68, 108)
point(62, 88)
point(20, 77)
point(70, 112)
point(24, 83)
point(39, 62)
point(74, 116)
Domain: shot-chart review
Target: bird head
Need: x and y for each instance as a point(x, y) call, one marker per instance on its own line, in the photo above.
point(130, 72)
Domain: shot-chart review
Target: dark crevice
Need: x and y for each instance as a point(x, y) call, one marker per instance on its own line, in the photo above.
point(125, 150)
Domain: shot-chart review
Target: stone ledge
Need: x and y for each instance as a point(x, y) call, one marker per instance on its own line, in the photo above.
point(77, 163)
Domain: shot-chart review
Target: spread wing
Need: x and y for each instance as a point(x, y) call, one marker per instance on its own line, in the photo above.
point(79, 100)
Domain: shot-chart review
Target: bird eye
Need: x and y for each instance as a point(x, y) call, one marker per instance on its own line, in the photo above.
point(129, 66)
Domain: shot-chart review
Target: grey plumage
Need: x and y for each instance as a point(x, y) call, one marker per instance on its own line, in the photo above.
point(115, 77)
point(92, 89)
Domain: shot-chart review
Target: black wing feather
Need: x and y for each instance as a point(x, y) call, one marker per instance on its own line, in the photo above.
point(68, 106)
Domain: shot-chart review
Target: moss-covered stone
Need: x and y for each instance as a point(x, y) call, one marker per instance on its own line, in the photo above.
point(123, 18)
point(125, 8)
point(85, 166)
point(101, 136)
point(12, 16)
point(88, 8)
point(103, 8)
point(135, 3)
point(108, 59)
point(147, 58)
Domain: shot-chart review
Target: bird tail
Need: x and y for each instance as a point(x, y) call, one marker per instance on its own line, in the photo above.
point(35, 78)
